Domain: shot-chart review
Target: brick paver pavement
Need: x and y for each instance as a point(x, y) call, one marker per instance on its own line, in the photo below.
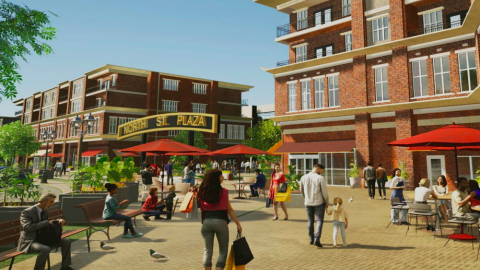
point(282, 244)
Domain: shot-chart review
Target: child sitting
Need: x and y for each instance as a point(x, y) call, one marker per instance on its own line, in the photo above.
point(339, 217)
point(152, 207)
point(169, 201)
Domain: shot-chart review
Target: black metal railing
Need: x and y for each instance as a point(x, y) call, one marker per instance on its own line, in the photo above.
point(303, 58)
point(63, 98)
point(434, 28)
point(17, 113)
point(61, 114)
point(104, 86)
point(36, 106)
point(324, 17)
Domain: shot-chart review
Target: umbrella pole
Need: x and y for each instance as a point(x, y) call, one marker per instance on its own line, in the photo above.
point(456, 162)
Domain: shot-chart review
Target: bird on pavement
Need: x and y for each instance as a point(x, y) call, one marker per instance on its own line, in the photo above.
point(156, 255)
point(104, 246)
point(351, 199)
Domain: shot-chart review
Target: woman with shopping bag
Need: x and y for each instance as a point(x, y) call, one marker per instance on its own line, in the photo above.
point(277, 178)
point(216, 209)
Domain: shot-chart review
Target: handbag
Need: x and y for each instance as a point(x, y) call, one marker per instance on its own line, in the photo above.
point(282, 187)
point(230, 264)
point(241, 251)
point(283, 196)
point(187, 203)
point(268, 202)
point(50, 235)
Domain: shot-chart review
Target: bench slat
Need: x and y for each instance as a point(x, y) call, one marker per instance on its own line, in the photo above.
point(9, 224)
point(9, 240)
point(72, 232)
point(10, 254)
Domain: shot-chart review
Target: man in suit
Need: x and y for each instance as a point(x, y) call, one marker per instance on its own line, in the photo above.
point(32, 220)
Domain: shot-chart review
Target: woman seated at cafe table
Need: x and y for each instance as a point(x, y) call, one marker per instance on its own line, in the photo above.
point(422, 194)
point(441, 190)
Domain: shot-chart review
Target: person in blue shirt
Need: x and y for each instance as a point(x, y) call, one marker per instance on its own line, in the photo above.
point(260, 183)
point(169, 169)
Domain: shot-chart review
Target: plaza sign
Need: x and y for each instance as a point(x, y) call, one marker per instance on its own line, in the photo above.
point(170, 121)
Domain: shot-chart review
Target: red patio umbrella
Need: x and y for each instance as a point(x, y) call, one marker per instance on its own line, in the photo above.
point(239, 149)
point(133, 154)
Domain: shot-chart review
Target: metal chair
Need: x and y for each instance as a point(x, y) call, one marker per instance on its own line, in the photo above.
point(423, 210)
point(398, 206)
point(462, 221)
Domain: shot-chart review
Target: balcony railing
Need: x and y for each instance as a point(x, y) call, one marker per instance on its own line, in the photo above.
point(105, 86)
point(434, 28)
point(320, 18)
point(303, 58)
point(17, 113)
point(63, 98)
point(94, 107)
point(35, 107)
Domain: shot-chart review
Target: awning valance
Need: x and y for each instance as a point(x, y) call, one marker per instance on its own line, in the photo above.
point(92, 153)
point(317, 147)
point(50, 154)
point(274, 148)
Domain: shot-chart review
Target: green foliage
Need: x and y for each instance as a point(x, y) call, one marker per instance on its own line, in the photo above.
point(18, 190)
point(182, 137)
point(30, 165)
point(266, 162)
point(264, 135)
point(21, 30)
point(208, 166)
point(354, 171)
point(478, 175)
point(17, 140)
point(292, 178)
point(403, 168)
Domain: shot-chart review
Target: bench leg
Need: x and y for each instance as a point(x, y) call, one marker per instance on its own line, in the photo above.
point(135, 221)
point(88, 240)
point(13, 259)
point(48, 262)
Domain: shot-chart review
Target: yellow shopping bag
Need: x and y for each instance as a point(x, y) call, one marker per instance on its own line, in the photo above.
point(283, 197)
point(231, 262)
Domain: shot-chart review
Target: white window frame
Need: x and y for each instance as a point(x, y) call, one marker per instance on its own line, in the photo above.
point(332, 90)
point(442, 74)
point(380, 33)
point(122, 120)
point(241, 132)
point(229, 131)
point(114, 79)
point(112, 125)
point(171, 85)
point(302, 19)
point(301, 53)
point(76, 106)
point(292, 97)
point(173, 133)
point(380, 83)
point(346, 8)
point(306, 94)
point(169, 105)
point(235, 132)
point(423, 75)
point(52, 112)
point(429, 166)
point(348, 42)
point(199, 108)
point(97, 125)
point(428, 25)
point(467, 69)
point(222, 132)
point(319, 84)
point(200, 88)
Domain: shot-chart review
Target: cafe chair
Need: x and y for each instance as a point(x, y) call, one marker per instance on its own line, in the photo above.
point(423, 210)
point(396, 205)
point(461, 221)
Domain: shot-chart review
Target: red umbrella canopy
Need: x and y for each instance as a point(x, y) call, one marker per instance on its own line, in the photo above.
point(188, 154)
point(449, 136)
point(239, 149)
point(162, 146)
point(438, 148)
point(137, 155)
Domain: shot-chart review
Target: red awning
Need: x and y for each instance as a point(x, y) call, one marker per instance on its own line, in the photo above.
point(52, 155)
point(317, 147)
point(92, 153)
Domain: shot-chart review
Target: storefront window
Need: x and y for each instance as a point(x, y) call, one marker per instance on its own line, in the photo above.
point(468, 166)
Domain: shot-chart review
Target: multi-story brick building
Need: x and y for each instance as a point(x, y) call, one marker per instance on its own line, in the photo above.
point(362, 73)
point(115, 95)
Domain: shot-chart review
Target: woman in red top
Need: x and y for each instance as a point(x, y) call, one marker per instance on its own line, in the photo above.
point(474, 200)
point(277, 178)
point(216, 208)
point(152, 207)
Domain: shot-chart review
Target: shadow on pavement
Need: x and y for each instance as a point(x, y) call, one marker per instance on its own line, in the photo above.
point(360, 246)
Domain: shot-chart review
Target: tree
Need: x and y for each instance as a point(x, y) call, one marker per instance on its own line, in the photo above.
point(21, 29)
point(17, 140)
point(182, 137)
point(264, 135)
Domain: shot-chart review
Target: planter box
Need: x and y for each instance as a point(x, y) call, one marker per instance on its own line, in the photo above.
point(123, 194)
point(68, 201)
point(133, 196)
point(8, 213)
point(48, 172)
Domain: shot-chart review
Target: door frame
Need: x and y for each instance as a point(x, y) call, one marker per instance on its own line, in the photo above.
point(429, 170)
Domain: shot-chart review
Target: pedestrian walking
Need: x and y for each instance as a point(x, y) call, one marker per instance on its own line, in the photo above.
point(58, 168)
point(247, 166)
point(253, 165)
point(169, 170)
point(340, 220)
point(381, 177)
point(242, 167)
point(369, 176)
point(314, 191)
point(64, 167)
point(277, 177)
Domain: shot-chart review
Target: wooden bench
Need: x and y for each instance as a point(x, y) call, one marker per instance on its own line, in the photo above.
point(94, 212)
point(10, 233)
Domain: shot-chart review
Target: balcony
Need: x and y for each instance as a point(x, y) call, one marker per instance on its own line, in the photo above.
point(18, 113)
point(303, 58)
point(105, 86)
point(63, 99)
point(36, 107)
point(313, 25)
point(94, 107)
point(434, 28)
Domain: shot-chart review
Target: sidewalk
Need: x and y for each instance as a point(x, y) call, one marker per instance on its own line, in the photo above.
point(281, 244)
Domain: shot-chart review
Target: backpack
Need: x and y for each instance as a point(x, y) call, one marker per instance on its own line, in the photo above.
point(50, 235)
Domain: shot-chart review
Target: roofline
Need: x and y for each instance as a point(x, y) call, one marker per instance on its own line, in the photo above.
point(17, 102)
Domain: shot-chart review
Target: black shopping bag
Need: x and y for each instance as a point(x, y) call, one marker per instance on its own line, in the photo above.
point(241, 251)
point(268, 202)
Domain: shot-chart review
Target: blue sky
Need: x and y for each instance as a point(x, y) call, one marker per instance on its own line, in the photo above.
point(224, 40)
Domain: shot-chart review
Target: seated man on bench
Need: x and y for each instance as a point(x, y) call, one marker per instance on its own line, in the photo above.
point(34, 219)
point(260, 183)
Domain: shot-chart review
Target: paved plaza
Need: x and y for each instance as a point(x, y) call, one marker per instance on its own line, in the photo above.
point(281, 244)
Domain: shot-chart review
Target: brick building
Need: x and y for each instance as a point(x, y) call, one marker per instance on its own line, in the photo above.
point(115, 95)
point(362, 73)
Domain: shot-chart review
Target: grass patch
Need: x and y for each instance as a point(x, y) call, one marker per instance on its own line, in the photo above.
point(24, 257)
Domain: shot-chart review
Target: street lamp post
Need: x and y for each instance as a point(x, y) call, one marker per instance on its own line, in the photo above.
point(47, 137)
point(84, 126)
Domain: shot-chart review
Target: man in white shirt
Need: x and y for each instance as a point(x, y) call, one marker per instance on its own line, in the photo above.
point(215, 165)
point(314, 190)
point(58, 168)
point(247, 167)
point(242, 167)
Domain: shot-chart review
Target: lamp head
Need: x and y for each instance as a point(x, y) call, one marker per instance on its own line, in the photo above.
point(77, 122)
point(90, 120)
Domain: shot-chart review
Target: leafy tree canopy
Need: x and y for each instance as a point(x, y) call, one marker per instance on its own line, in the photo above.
point(264, 135)
point(21, 30)
point(17, 140)
point(182, 137)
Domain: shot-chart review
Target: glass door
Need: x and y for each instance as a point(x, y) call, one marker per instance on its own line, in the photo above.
point(435, 168)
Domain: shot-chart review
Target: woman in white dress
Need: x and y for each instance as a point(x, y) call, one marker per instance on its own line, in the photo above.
point(441, 189)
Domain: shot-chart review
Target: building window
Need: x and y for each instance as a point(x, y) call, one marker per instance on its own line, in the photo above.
point(432, 22)
point(45, 98)
point(222, 131)
point(381, 84)
point(229, 131)
point(77, 88)
point(26, 119)
point(45, 114)
point(54, 96)
point(292, 97)
point(348, 42)
point(468, 71)
point(306, 95)
point(319, 93)
point(97, 125)
point(199, 108)
point(346, 7)
point(301, 53)
point(235, 132)
point(28, 104)
point(122, 120)
point(323, 16)
point(173, 133)
point(112, 129)
point(200, 88)
point(171, 85)
point(380, 29)
point(333, 91)
point(107, 85)
point(170, 105)
point(324, 51)
point(241, 132)
point(302, 20)
point(114, 79)
point(131, 119)
point(420, 83)
point(441, 73)
point(76, 106)
point(52, 112)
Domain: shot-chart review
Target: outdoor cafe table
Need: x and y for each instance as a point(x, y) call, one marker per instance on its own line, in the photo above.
point(437, 221)
point(240, 187)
